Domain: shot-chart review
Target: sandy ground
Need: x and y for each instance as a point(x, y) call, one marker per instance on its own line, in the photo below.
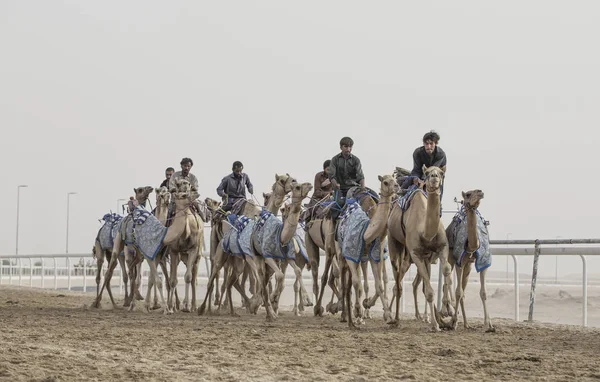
point(54, 335)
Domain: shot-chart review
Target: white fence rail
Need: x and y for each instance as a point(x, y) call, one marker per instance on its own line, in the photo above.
point(513, 248)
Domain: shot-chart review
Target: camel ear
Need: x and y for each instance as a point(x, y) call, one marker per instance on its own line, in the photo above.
point(287, 174)
point(464, 195)
point(276, 177)
point(380, 178)
point(424, 169)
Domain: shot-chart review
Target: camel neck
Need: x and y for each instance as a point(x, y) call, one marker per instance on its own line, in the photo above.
point(291, 222)
point(432, 220)
point(472, 234)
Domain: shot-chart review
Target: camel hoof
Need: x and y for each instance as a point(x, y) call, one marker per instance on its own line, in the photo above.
point(138, 296)
point(96, 305)
point(491, 329)
point(185, 309)
point(387, 316)
point(155, 306)
point(270, 318)
point(308, 303)
point(318, 310)
point(393, 323)
point(297, 313)
point(201, 309)
point(435, 329)
point(365, 304)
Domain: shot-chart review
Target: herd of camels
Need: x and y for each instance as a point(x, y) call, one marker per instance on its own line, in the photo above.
point(257, 244)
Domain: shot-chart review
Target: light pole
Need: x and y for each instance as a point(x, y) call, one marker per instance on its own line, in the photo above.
point(507, 236)
point(18, 203)
point(68, 202)
point(119, 203)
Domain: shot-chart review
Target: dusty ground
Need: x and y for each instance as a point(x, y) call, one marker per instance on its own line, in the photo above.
point(50, 335)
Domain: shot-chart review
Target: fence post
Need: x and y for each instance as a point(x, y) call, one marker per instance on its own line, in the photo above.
point(20, 270)
point(536, 258)
point(55, 274)
point(517, 297)
point(585, 298)
point(43, 272)
point(1, 269)
point(68, 273)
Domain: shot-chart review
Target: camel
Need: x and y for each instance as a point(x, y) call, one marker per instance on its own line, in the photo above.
point(469, 244)
point(103, 249)
point(184, 240)
point(354, 224)
point(282, 186)
point(270, 240)
point(123, 243)
point(319, 235)
point(417, 233)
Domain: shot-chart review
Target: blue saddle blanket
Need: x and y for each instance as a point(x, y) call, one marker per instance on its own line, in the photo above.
point(351, 233)
point(404, 201)
point(108, 231)
point(267, 237)
point(458, 240)
point(237, 241)
point(149, 232)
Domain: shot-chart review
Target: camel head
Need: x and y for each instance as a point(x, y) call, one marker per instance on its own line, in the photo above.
point(212, 204)
point(389, 186)
point(181, 185)
point(142, 193)
point(472, 198)
point(434, 177)
point(267, 197)
point(285, 210)
point(300, 191)
point(163, 196)
point(283, 184)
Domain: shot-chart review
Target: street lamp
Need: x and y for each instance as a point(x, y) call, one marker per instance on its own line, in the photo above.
point(68, 202)
point(18, 203)
point(119, 203)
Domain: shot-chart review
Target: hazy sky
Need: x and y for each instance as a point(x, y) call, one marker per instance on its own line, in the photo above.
point(99, 97)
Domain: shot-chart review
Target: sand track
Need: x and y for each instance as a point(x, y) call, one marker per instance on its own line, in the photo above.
point(49, 335)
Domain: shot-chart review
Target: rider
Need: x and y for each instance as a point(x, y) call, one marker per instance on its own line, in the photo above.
point(186, 166)
point(345, 172)
point(430, 154)
point(233, 186)
point(323, 189)
point(168, 173)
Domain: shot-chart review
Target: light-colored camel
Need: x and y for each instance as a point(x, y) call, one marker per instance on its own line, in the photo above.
point(258, 262)
point(418, 234)
point(131, 253)
point(376, 229)
point(184, 240)
point(471, 200)
point(320, 235)
point(282, 186)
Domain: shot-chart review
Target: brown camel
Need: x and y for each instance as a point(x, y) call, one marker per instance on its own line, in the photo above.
point(282, 186)
point(123, 243)
point(469, 244)
point(418, 234)
point(353, 249)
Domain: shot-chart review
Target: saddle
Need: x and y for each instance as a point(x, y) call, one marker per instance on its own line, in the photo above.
point(238, 206)
point(356, 193)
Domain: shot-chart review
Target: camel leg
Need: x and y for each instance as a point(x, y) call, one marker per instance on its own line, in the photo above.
point(138, 281)
point(355, 276)
point(346, 279)
point(219, 297)
point(279, 283)
point(429, 292)
point(244, 279)
point(364, 265)
point(134, 261)
point(112, 263)
point(384, 277)
point(173, 279)
point(239, 287)
point(379, 293)
point(218, 262)
point(318, 309)
point(99, 263)
point(297, 284)
point(415, 287)
point(195, 267)
point(265, 293)
point(237, 267)
point(155, 280)
point(334, 276)
point(255, 301)
point(447, 287)
point(312, 250)
point(487, 321)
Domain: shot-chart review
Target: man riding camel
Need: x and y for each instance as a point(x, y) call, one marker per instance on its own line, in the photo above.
point(345, 172)
point(233, 186)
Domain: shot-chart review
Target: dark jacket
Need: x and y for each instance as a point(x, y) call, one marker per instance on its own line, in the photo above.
point(165, 183)
point(234, 187)
point(347, 172)
point(420, 158)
